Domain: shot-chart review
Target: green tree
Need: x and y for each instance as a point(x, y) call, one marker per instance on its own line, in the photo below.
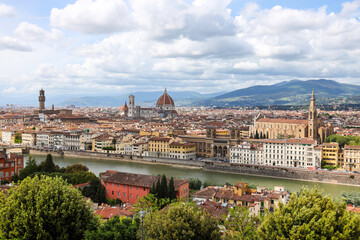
point(115, 229)
point(172, 192)
point(76, 168)
point(181, 221)
point(31, 167)
point(44, 208)
point(151, 203)
point(96, 191)
point(207, 183)
point(164, 191)
point(352, 197)
point(48, 165)
point(309, 215)
point(195, 183)
point(240, 224)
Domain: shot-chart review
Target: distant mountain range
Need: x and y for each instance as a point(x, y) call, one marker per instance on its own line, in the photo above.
point(182, 98)
point(294, 92)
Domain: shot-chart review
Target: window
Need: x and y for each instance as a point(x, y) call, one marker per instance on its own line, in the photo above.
point(130, 195)
point(124, 194)
point(112, 192)
point(144, 189)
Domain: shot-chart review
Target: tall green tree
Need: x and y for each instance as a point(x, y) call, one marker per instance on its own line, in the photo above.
point(172, 192)
point(181, 221)
point(96, 191)
point(195, 183)
point(164, 191)
point(115, 229)
point(240, 224)
point(49, 165)
point(44, 208)
point(76, 168)
point(30, 167)
point(158, 188)
point(309, 215)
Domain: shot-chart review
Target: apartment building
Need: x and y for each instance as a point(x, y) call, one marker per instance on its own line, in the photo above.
point(296, 153)
point(182, 150)
point(10, 164)
point(247, 153)
point(42, 139)
point(29, 138)
point(330, 153)
point(352, 158)
point(159, 147)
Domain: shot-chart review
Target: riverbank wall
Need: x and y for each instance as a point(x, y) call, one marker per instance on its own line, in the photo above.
point(331, 177)
point(117, 157)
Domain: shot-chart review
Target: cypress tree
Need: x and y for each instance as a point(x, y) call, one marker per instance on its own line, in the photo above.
point(172, 192)
point(49, 165)
point(261, 135)
point(164, 191)
point(256, 135)
point(153, 189)
point(158, 190)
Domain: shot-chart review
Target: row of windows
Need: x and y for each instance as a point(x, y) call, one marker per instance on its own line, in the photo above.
point(131, 187)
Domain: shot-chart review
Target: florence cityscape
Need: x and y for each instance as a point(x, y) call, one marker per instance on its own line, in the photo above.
point(186, 119)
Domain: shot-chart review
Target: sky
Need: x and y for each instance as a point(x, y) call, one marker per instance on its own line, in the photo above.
point(77, 48)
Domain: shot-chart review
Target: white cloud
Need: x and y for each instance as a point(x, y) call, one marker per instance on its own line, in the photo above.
point(13, 44)
point(6, 10)
point(196, 45)
point(350, 9)
point(35, 33)
point(92, 16)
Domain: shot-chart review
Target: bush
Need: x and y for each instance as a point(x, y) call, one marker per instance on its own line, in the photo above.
point(195, 183)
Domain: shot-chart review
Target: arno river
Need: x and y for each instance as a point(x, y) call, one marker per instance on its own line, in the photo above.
point(97, 166)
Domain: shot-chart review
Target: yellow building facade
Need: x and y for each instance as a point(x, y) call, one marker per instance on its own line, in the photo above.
point(330, 154)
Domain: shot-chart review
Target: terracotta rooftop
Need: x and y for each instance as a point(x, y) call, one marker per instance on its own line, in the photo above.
point(134, 179)
point(283, 120)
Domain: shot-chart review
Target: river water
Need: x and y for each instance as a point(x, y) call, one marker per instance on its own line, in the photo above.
point(101, 165)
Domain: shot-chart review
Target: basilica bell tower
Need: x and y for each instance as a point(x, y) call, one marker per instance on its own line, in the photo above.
point(313, 119)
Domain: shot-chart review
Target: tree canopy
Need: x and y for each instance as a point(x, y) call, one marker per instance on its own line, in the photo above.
point(309, 215)
point(44, 208)
point(240, 224)
point(115, 229)
point(181, 221)
point(342, 140)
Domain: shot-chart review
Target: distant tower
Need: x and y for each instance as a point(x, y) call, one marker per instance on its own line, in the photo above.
point(42, 100)
point(131, 106)
point(313, 119)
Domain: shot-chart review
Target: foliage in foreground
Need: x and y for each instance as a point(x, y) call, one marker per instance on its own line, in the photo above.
point(309, 215)
point(181, 221)
point(115, 229)
point(44, 208)
point(352, 198)
point(240, 224)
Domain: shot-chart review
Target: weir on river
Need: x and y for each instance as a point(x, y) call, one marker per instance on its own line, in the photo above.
point(101, 165)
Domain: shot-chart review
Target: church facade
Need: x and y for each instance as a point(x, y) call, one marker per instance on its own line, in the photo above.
point(312, 128)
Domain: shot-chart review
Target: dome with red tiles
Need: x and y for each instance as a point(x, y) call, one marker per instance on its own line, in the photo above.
point(165, 102)
point(124, 108)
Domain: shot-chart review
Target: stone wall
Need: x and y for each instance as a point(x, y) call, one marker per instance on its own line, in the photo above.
point(288, 173)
